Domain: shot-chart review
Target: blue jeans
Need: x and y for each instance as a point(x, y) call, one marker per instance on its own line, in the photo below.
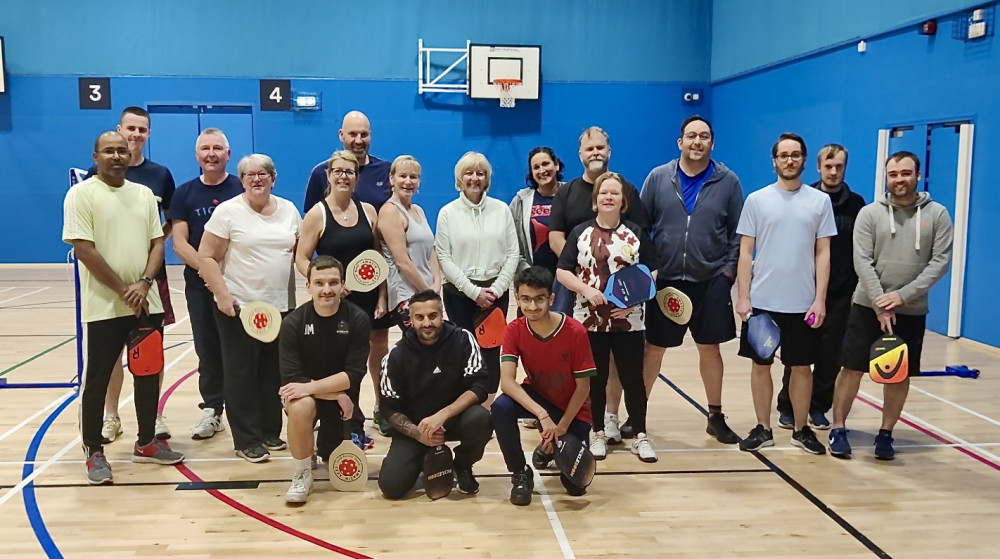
point(506, 411)
point(564, 299)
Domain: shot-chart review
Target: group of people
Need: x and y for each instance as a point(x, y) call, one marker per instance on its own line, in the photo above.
point(793, 251)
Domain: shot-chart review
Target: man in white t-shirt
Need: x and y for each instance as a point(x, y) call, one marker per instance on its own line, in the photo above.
point(121, 251)
point(790, 228)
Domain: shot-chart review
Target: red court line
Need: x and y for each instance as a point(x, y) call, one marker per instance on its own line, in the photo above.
point(936, 437)
point(257, 515)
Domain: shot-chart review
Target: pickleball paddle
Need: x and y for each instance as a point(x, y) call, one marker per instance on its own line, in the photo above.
point(630, 286)
point(575, 460)
point(763, 335)
point(366, 271)
point(488, 326)
point(348, 467)
point(439, 472)
point(675, 305)
point(261, 321)
point(889, 360)
point(144, 346)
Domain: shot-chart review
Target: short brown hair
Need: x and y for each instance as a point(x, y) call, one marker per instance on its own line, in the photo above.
point(829, 151)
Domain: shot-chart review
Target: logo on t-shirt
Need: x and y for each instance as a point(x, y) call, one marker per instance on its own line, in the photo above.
point(342, 328)
point(436, 370)
point(310, 330)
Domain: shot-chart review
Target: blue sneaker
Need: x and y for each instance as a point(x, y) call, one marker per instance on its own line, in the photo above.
point(839, 445)
point(818, 420)
point(363, 441)
point(883, 446)
point(786, 421)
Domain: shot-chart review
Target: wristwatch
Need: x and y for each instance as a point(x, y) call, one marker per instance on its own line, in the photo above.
point(147, 279)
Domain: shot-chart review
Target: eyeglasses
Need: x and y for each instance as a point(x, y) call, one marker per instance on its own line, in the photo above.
point(343, 172)
point(261, 175)
point(704, 136)
point(796, 156)
point(538, 301)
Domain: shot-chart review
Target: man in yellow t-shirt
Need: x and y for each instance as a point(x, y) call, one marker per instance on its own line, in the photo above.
point(114, 227)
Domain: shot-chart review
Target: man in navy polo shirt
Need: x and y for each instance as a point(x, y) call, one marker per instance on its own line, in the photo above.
point(134, 126)
point(373, 178)
point(193, 204)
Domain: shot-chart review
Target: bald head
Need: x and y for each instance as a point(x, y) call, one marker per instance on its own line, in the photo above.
point(355, 134)
point(111, 156)
point(110, 135)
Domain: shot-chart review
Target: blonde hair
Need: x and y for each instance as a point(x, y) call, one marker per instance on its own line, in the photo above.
point(341, 155)
point(398, 162)
point(597, 188)
point(472, 160)
point(260, 159)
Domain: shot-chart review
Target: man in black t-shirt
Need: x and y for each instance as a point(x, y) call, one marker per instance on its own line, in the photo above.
point(134, 126)
point(323, 351)
point(193, 204)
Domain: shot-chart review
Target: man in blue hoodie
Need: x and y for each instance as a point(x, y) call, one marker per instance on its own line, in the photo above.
point(694, 205)
point(902, 247)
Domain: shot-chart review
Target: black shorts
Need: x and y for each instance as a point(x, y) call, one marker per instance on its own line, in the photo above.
point(863, 329)
point(800, 343)
point(712, 319)
point(367, 301)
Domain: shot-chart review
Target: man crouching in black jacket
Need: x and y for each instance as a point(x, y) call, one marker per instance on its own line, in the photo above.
point(433, 381)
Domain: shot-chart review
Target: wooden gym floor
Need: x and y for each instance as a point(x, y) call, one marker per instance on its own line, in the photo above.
point(938, 499)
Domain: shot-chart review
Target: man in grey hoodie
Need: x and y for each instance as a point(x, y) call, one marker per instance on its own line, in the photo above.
point(902, 247)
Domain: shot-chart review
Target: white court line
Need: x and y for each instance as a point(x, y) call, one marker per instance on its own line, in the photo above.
point(39, 290)
point(6, 289)
point(54, 403)
point(38, 471)
point(953, 404)
point(550, 512)
point(931, 427)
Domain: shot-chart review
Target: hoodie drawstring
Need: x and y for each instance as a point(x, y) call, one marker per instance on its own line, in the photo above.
point(892, 223)
point(917, 223)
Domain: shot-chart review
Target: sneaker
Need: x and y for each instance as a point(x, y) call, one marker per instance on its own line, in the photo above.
point(718, 428)
point(531, 423)
point(806, 440)
point(839, 445)
point(162, 431)
point(599, 446)
point(758, 438)
point(363, 441)
point(255, 454)
point(298, 492)
point(112, 429)
point(883, 446)
point(786, 420)
point(819, 420)
point(643, 448)
point(572, 488)
point(466, 481)
point(381, 424)
point(521, 486)
point(98, 470)
point(540, 459)
point(611, 429)
point(627, 431)
point(208, 426)
point(274, 444)
point(156, 452)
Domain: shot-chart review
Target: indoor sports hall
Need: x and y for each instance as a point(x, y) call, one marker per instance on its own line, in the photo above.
point(437, 79)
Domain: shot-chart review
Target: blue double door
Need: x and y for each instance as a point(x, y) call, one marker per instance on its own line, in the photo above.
point(174, 130)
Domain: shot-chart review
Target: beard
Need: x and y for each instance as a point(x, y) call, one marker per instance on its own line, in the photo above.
point(790, 174)
point(597, 165)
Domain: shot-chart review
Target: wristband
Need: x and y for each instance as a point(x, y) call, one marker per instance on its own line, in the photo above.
point(148, 280)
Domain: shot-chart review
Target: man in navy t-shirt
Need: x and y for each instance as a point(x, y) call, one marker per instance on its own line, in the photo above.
point(373, 178)
point(134, 126)
point(193, 205)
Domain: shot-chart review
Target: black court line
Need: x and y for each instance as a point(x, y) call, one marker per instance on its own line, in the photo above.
point(255, 483)
point(841, 521)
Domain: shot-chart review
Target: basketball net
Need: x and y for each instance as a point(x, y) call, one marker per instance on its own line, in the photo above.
point(506, 94)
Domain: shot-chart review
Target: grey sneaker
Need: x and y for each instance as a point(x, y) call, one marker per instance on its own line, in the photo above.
point(111, 429)
point(156, 452)
point(98, 470)
point(208, 426)
point(274, 444)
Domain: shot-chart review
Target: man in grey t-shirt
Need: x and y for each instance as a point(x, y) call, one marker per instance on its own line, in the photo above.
point(790, 228)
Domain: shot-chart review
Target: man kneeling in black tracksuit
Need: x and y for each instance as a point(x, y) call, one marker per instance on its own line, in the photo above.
point(433, 381)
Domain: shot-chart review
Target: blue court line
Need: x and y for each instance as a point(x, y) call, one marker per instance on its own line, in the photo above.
point(28, 493)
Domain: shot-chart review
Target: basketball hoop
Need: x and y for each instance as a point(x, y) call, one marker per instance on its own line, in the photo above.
point(506, 95)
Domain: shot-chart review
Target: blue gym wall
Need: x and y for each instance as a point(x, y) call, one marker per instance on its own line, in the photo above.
point(842, 96)
point(619, 65)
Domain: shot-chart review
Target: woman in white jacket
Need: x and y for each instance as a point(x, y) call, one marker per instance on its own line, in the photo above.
point(476, 244)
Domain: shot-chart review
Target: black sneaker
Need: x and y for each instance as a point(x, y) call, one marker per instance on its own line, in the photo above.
point(572, 488)
point(626, 430)
point(466, 481)
point(522, 484)
point(883, 446)
point(717, 428)
point(255, 454)
point(275, 443)
point(758, 438)
point(806, 440)
point(540, 459)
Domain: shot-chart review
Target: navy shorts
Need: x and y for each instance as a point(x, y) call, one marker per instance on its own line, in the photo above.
point(712, 319)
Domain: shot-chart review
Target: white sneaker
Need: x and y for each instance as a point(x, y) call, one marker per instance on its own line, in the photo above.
point(208, 426)
point(301, 487)
point(611, 428)
point(599, 446)
point(112, 429)
point(162, 431)
point(642, 447)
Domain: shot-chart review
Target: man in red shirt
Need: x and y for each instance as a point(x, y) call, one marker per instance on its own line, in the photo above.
point(555, 353)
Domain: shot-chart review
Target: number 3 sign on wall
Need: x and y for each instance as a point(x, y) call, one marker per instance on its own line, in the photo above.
point(95, 93)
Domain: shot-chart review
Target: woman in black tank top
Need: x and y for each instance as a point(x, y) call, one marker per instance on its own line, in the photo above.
point(342, 227)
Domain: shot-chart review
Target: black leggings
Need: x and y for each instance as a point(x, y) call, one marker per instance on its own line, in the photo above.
point(627, 348)
point(462, 311)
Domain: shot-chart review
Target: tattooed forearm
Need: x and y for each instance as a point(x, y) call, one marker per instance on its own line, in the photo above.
point(402, 424)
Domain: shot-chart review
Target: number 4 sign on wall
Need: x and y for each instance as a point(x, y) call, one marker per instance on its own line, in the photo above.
point(95, 93)
point(275, 95)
